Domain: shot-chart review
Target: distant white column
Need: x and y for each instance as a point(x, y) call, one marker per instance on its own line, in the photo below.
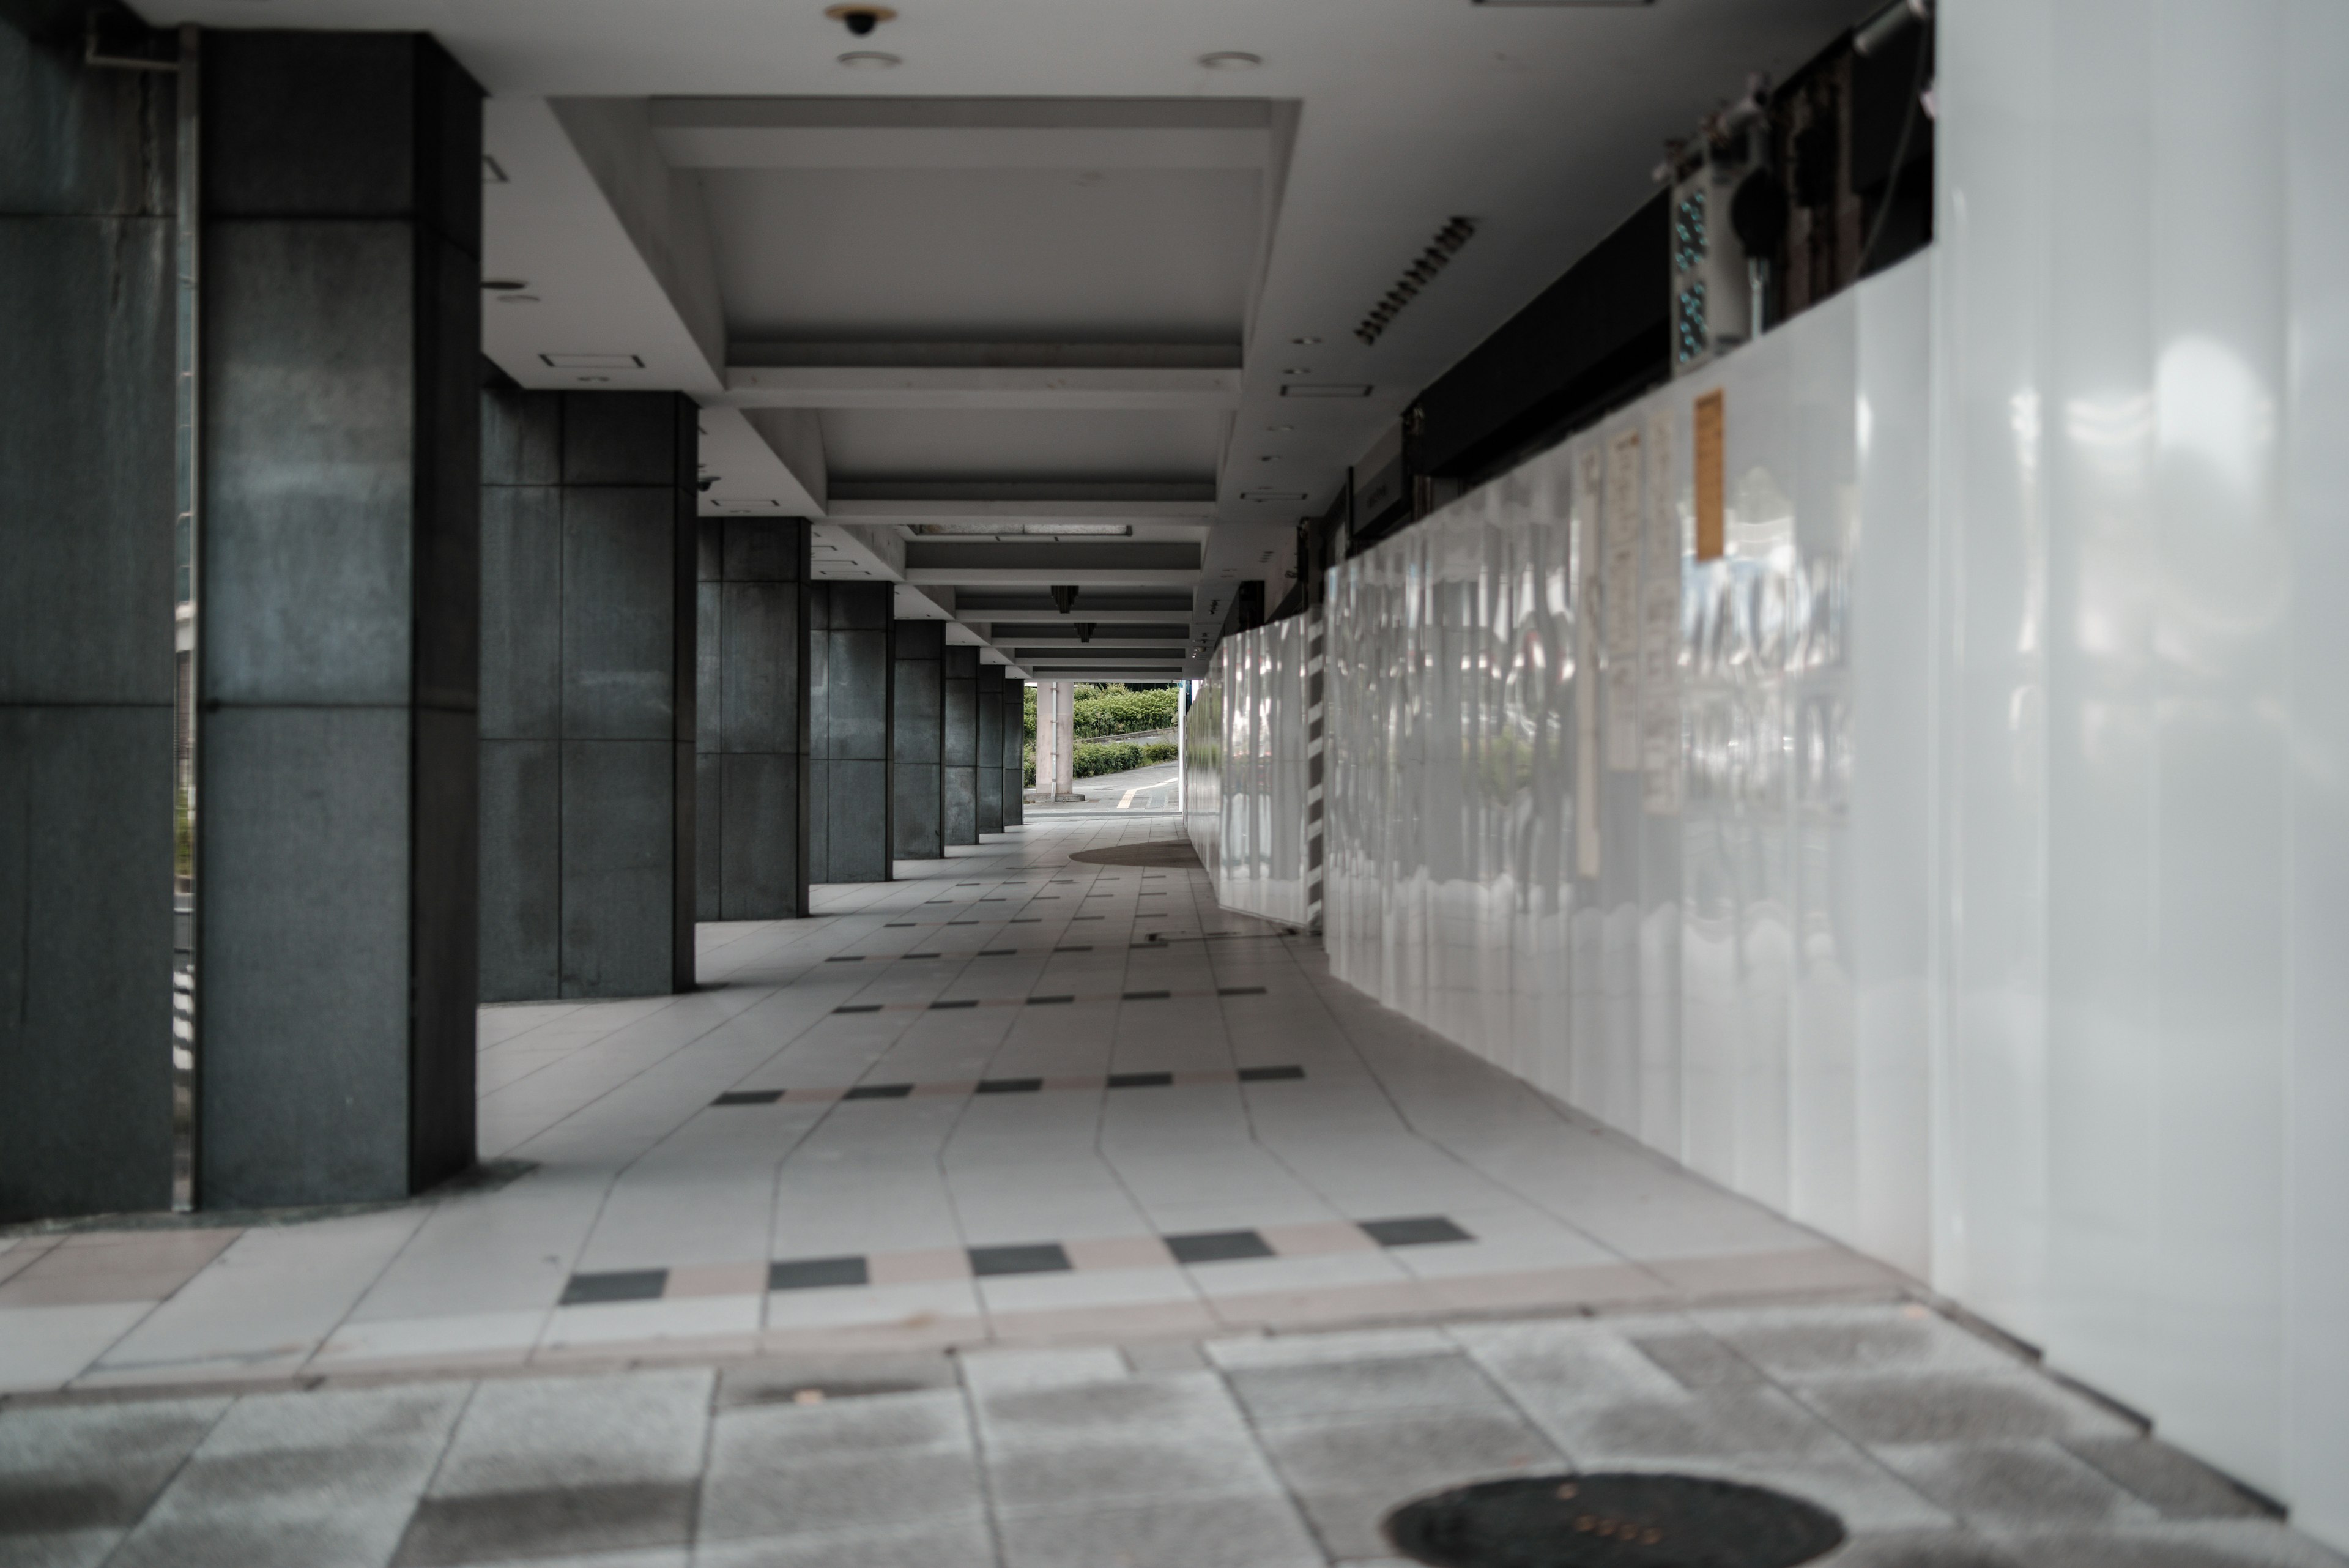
point(1064, 739)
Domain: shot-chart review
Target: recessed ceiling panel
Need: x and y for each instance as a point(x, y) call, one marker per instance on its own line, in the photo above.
point(1043, 444)
point(1036, 254)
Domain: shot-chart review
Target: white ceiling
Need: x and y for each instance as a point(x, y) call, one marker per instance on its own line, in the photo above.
point(1049, 247)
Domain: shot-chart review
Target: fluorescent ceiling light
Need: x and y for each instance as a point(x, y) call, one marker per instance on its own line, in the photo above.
point(1044, 530)
point(593, 361)
point(1325, 389)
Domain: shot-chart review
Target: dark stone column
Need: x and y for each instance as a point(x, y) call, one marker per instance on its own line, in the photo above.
point(1015, 762)
point(961, 746)
point(991, 748)
point(849, 671)
point(85, 658)
point(340, 563)
point(916, 721)
point(588, 700)
point(752, 740)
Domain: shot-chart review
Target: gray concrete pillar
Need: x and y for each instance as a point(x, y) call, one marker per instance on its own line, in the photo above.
point(917, 726)
point(990, 748)
point(1015, 742)
point(340, 567)
point(960, 747)
point(850, 673)
point(588, 703)
point(86, 630)
point(750, 740)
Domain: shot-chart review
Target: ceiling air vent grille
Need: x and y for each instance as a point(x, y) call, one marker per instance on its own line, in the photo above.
point(1416, 276)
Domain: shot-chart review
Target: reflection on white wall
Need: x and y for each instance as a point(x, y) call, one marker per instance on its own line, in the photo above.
point(1634, 826)
point(2141, 887)
point(1961, 863)
point(1245, 762)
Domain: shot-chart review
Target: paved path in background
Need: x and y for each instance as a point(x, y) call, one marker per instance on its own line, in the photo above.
point(1143, 789)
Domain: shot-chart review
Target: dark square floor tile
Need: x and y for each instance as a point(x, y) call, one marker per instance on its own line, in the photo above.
point(1239, 990)
point(1271, 1074)
point(859, 1007)
point(614, 1286)
point(1034, 1258)
point(1139, 1080)
point(1048, 1001)
point(1010, 1085)
point(960, 1002)
point(813, 1274)
point(1217, 1246)
point(879, 1092)
point(1419, 1231)
point(2181, 1487)
point(1147, 995)
point(547, 1522)
point(749, 1098)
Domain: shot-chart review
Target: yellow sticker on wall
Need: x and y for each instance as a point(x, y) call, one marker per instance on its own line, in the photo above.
point(1709, 531)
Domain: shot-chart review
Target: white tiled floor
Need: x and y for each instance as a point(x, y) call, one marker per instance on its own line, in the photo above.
point(632, 1167)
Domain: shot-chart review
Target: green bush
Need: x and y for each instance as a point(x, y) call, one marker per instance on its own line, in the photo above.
point(1161, 751)
point(1114, 757)
point(1122, 712)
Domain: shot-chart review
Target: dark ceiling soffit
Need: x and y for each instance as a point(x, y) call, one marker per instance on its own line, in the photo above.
point(1538, 365)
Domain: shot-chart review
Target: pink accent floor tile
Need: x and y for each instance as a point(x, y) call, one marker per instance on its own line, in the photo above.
point(716, 1279)
point(912, 1268)
point(1119, 1252)
point(1316, 1239)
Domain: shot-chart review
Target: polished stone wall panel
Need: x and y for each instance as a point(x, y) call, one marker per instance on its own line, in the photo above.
point(594, 631)
point(859, 822)
point(85, 959)
point(619, 677)
point(521, 904)
point(988, 796)
point(1015, 742)
point(959, 746)
point(917, 727)
point(341, 467)
point(86, 632)
point(618, 867)
point(306, 987)
point(521, 610)
point(852, 671)
point(310, 485)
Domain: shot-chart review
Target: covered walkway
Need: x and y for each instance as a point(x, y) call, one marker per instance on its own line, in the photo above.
point(1028, 1210)
point(1012, 1098)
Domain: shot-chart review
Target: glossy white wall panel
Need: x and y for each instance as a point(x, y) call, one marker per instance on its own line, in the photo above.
point(1888, 862)
point(2316, 479)
point(2140, 1091)
point(1995, 73)
point(1246, 771)
point(1699, 986)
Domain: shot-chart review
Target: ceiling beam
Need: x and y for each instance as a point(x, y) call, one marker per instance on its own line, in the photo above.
point(987, 510)
point(978, 386)
point(1039, 576)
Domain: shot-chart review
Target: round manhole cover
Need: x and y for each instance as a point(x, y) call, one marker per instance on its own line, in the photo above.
point(1623, 1520)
